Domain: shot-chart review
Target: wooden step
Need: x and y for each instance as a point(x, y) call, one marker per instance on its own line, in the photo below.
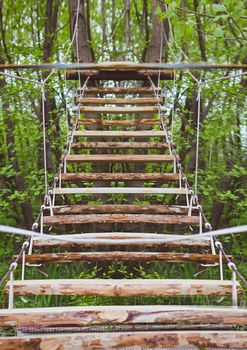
point(193, 339)
point(120, 145)
point(116, 190)
point(119, 75)
point(123, 287)
point(120, 101)
point(120, 90)
point(122, 256)
point(160, 177)
point(120, 239)
point(120, 208)
point(119, 158)
point(101, 133)
point(129, 314)
point(126, 123)
point(119, 110)
point(121, 218)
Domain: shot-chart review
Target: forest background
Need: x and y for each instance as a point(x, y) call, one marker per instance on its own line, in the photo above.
point(134, 30)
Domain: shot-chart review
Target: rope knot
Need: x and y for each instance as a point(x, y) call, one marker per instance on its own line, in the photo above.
point(13, 266)
point(232, 266)
point(218, 245)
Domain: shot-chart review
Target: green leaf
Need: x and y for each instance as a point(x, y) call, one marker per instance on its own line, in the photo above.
point(218, 33)
point(236, 14)
point(218, 8)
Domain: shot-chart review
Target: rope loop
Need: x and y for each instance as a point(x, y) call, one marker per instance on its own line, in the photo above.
point(208, 226)
point(218, 244)
point(25, 245)
point(13, 266)
point(232, 266)
point(35, 226)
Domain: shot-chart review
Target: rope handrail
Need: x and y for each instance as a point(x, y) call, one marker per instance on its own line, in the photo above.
point(215, 233)
point(125, 66)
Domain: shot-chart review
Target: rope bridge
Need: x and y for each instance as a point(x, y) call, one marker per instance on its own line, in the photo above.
point(125, 130)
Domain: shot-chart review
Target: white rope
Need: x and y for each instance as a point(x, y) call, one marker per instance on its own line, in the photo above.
point(222, 78)
point(13, 266)
point(197, 137)
point(25, 245)
point(173, 101)
point(44, 138)
point(22, 78)
point(160, 58)
point(232, 266)
point(221, 232)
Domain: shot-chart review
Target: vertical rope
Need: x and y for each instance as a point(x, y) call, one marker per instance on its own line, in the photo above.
point(160, 58)
point(44, 136)
point(173, 101)
point(197, 136)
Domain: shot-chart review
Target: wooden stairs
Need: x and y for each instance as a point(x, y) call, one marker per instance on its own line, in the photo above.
point(123, 207)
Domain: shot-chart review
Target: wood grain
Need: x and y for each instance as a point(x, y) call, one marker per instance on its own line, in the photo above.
point(120, 177)
point(120, 208)
point(120, 218)
point(120, 145)
point(133, 314)
point(123, 287)
point(106, 122)
point(120, 101)
point(103, 133)
point(119, 158)
point(119, 110)
point(138, 340)
point(122, 256)
point(119, 90)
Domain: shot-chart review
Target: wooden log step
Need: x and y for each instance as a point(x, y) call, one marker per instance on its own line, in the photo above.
point(120, 75)
point(194, 339)
point(102, 133)
point(70, 257)
point(119, 90)
point(134, 314)
point(119, 110)
point(120, 208)
point(160, 177)
point(120, 101)
point(119, 158)
point(106, 122)
point(120, 218)
point(120, 145)
point(120, 238)
point(123, 287)
point(113, 190)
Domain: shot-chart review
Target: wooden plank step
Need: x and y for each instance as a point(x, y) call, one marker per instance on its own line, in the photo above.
point(120, 208)
point(69, 257)
point(120, 90)
point(119, 158)
point(103, 133)
point(106, 122)
point(123, 287)
point(119, 110)
point(113, 190)
point(119, 75)
point(120, 145)
point(121, 218)
point(129, 314)
point(120, 101)
point(120, 238)
point(120, 177)
point(194, 339)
